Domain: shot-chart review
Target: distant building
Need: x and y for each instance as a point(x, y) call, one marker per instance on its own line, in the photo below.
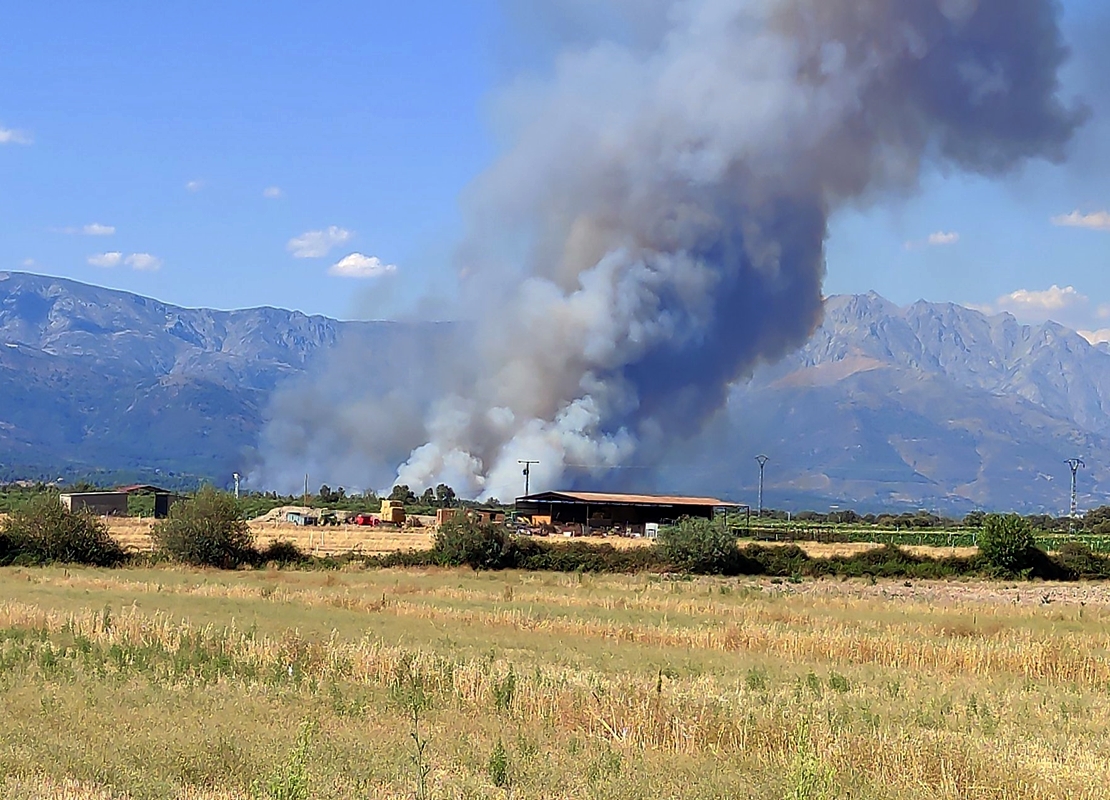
point(627, 514)
point(103, 504)
point(163, 498)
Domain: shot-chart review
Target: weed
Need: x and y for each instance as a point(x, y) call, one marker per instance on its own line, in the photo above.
point(290, 780)
point(503, 691)
point(756, 680)
point(498, 767)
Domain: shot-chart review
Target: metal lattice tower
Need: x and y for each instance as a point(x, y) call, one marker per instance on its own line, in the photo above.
point(762, 459)
point(1075, 464)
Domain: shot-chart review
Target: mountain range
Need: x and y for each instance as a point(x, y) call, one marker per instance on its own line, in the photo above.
point(933, 405)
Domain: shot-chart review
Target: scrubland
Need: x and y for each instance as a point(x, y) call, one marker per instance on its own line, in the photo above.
point(450, 684)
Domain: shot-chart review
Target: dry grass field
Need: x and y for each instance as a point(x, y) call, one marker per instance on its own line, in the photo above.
point(178, 683)
point(134, 534)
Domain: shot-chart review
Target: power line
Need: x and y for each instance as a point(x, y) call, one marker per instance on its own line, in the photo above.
point(527, 473)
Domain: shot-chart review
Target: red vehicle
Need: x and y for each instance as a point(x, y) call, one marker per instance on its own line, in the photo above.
point(367, 519)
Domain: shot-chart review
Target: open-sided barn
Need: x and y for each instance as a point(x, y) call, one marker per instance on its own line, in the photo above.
point(630, 514)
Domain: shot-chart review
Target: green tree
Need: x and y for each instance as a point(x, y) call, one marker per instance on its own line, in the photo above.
point(44, 530)
point(402, 494)
point(206, 531)
point(476, 545)
point(699, 546)
point(1007, 542)
point(445, 496)
point(974, 519)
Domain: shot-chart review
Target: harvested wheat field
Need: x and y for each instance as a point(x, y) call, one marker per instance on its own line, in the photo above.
point(447, 684)
point(134, 534)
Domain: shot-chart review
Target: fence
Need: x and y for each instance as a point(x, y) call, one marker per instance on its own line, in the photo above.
point(955, 537)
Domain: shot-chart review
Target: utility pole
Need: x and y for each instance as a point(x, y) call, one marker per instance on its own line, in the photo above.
point(304, 499)
point(1075, 464)
point(762, 459)
point(236, 476)
point(527, 473)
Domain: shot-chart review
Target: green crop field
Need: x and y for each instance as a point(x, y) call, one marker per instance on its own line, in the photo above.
point(447, 684)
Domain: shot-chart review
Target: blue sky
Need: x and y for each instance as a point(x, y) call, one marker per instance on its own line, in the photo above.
point(232, 154)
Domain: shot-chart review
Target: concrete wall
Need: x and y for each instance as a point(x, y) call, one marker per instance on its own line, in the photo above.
point(99, 503)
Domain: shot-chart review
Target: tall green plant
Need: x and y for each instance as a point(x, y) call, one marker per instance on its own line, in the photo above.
point(1007, 542)
point(206, 531)
point(700, 546)
point(43, 530)
point(476, 545)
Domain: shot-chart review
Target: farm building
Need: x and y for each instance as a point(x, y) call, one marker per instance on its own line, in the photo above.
point(631, 514)
point(100, 503)
point(163, 498)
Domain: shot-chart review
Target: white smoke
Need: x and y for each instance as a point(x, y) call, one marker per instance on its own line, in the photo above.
point(657, 226)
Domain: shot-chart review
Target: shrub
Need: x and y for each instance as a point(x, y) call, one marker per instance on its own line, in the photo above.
point(585, 557)
point(779, 561)
point(45, 531)
point(476, 545)
point(1077, 560)
point(206, 531)
point(282, 552)
point(1007, 542)
point(700, 546)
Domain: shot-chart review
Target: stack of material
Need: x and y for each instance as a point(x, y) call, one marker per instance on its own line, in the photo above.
point(393, 512)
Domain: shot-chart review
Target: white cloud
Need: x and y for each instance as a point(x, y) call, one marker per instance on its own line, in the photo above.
point(938, 239)
point(1100, 336)
point(144, 262)
point(273, 193)
point(194, 186)
point(317, 244)
point(1095, 221)
point(942, 238)
point(1049, 300)
point(93, 229)
point(29, 263)
point(356, 265)
point(9, 136)
point(113, 259)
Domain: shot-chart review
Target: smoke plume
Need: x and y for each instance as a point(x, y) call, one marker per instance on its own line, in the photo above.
point(656, 225)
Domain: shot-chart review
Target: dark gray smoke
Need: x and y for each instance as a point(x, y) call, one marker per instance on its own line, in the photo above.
point(657, 226)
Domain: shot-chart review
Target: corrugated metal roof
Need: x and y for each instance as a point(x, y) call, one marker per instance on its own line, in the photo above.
point(633, 499)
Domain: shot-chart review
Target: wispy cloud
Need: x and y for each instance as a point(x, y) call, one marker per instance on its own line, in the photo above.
point(1095, 221)
point(1048, 300)
point(92, 229)
point(10, 136)
point(106, 260)
point(938, 239)
point(195, 186)
point(273, 193)
point(317, 244)
point(1065, 305)
point(943, 238)
point(144, 262)
point(357, 265)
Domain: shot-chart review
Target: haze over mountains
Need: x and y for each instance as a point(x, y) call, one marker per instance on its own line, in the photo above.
point(934, 405)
